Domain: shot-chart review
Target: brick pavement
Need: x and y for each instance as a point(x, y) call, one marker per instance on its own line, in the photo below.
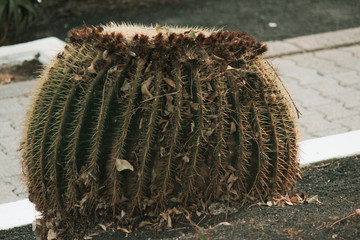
point(323, 80)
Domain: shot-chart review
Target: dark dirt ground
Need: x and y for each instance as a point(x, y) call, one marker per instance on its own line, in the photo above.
point(28, 70)
point(293, 18)
point(335, 182)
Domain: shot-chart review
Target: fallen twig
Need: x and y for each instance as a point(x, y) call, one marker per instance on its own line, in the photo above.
point(357, 212)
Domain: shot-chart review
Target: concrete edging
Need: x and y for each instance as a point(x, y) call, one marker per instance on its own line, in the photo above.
point(46, 47)
point(313, 42)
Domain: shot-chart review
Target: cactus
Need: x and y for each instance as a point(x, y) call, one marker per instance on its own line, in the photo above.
point(130, 121)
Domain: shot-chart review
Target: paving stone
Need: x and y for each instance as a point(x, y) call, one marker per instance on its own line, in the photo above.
point(12, 189)
point(304, 75)
point(337, 129)
point(350, 98)
point(326, 40)
point(284, 63)
point(356, 86)
point(17, 89)
point(10, 105)
point(6, 128)
point(342, 58)
point(354, 50)
point(307, 97)
point(6, 192)
point(347, 78)
point(329, 88)
point(316, 122)
point(352, 122)
point(19, 184)
point(304, 135)
point(11, 145)
point(276, 48)
point(335, 110)
point(322, 66)
point(10, 166)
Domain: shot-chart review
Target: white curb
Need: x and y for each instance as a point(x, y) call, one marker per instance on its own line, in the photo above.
point(17, 213)
point(46, 47)
point(329, 147)
point(23, 212)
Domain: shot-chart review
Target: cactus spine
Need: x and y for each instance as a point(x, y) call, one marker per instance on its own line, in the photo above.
point(195, 117)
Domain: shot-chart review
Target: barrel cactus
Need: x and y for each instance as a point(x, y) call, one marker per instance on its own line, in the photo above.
point(131, 121)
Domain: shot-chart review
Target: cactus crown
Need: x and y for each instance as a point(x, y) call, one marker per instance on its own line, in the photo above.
point(131, 120)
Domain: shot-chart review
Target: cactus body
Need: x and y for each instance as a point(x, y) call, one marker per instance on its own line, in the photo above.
point(133, 121)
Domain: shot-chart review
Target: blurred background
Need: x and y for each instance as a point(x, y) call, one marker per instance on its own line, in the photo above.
point(25, 20)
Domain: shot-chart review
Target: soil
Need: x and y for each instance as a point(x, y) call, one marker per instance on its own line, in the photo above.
point(27, 70)
point(264, 19)
point(336, 183)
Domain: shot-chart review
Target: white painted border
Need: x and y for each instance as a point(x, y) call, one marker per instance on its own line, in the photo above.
point(23, 212)
point(46, 47)
point(17, 213)
point(329, 147)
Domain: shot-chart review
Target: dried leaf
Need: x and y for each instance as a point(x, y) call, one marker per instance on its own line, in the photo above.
point(230, 68)
point(213, 96)
point(232, 128)
point(188, 115)
point(145, 88)
point(292, 232)
point(123, 230)
point(170, 82)
point(313, 199)
point(126, 86)
point(218, 58)
point(176, 211)
point(51, 234)
point(144, 223)
point(148, 68)
point(132, 54)
point(224, 224)
point(194, 106)
point(122, 164)
point(102, 227)
point(91, 69)
point(287, 200)
point(186, 159)
point(37, 229)
point(296, 199)
point(77, 77)
point(167, 218)
point(6, 78)
point(192, 126)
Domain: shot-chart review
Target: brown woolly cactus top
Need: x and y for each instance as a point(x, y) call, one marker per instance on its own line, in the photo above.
point(228, 45)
